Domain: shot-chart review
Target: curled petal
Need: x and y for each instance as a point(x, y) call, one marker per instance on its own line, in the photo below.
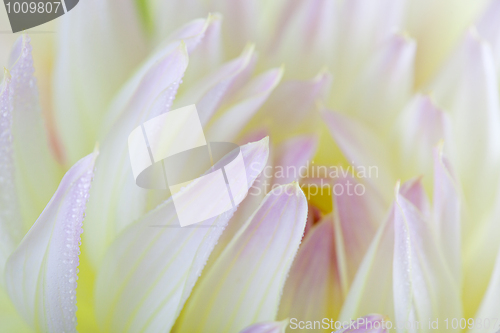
point(312, 291)
point(268, 327)
point(96, 54)
point(245, 283)
point(149, 271)
point(41, 273)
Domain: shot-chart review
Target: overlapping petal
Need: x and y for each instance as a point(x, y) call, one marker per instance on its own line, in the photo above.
point(41, 273)
point(150, 270)
point(244, 285)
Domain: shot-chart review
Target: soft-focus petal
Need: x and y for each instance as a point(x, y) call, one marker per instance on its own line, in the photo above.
point(41, 273)
point(209, 92)
point(420, 127)
point(312, 290)
point(293, 154)
point(385, 85)
point(414, 192)
point(37, 173)
point(358, 211)
point(229, 124)
point(245, 283)
point(96, 54)
point(369, 324)
point(468, 88)
point(304, 37)
point(423, 285)
point(362, 148)
point(488, 27)
point(447, 212)
point(11, 228)
point(116, 200)
point(150, 270)
point(268, 327)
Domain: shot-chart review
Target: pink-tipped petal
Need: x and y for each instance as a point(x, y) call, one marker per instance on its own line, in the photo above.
point(358, 211)
point(363, 148)
point(149, 271)
point(267, 327)
point(292, 155)
point(245, 283)
point(296, 101)
point(116, 200)
point(414, 192)
point(209, 92)
point(96, 55)
point(41, 274)
point(369, 324)
point(312, 291)
point(468, 88)
point(420, 127)
point(229, 124)
point(423, 286)
point(37, 173)
point(386, 84)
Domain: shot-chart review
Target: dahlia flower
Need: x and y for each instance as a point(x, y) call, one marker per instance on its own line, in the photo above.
point(369, 131)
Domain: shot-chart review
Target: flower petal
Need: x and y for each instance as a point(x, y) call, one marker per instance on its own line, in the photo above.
point(423, 286)
point(358, 211)
point(312, 291)
point(420, 127)
point(209, 92)
point(488, 27)
point(96, 54)
point(385, 84)
point(447, 212)
point(151, 268)
point(116, 200)
point(292, 155)
point(41, 273)
point(251, 97)
point(468, 88)
point(11, 228)
point(414, 192)
point(267, 327)
point(37, 174)
point(245, 283)
point(362, 147)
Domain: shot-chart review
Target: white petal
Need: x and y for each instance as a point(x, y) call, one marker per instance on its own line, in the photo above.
point(358, 211)
point(362, 148)
point(41, 273)
point(209, 92)
point(37, 174)
point(150, 270)
point(251, 97)
point(447, 212)
point(385, 85)
point(312, 290)
point(96, 54)
point(245, 283)
point(419, 128)
point(423, 286)
point(468, 88)
point(116, 200)
point(489, 28)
